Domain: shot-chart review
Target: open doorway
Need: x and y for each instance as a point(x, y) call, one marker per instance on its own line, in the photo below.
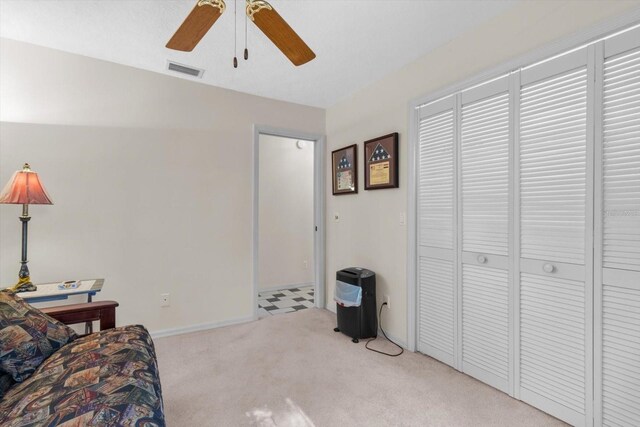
point(288, 209)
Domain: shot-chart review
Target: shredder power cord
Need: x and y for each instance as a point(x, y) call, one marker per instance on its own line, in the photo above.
point(385, 335)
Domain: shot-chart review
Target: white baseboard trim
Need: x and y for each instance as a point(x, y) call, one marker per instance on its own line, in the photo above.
point(285, 287)
point(199, 327)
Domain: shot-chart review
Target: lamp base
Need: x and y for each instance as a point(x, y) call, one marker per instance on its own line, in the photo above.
point(24, 285)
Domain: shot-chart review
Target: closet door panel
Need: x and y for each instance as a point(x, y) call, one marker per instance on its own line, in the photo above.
point(552, 341)
point(485, 175)
point(553, 131)
point(436, 191)
point(485, 324)
point(555, 283)
point(437, 294)
point(484, 186)
point(618, 290)
point(621, 355)
point(621, 162)
point(436, 314)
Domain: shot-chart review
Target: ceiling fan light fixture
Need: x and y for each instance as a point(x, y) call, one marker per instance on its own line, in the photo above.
point(255, 6)
point(220, 4)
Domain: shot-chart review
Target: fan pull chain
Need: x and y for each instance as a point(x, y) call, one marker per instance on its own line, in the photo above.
point(246, 51)
point(235, 34)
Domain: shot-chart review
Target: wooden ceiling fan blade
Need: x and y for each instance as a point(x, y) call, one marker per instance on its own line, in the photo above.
point(279, 32)
point(196, 25)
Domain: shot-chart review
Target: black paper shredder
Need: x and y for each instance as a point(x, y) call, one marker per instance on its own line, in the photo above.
point(359, 321)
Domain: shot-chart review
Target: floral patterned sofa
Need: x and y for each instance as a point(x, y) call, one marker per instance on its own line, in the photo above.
point(49, 377)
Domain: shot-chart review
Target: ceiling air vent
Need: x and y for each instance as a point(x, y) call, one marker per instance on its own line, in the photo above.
point(184, 69)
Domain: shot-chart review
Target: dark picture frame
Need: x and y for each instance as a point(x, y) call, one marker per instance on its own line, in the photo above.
point(344, 167)
point(381, 162)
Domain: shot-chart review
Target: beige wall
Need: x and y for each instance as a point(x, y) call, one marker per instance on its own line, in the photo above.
point(369, 233)
point(151, 178)
point(285, 212)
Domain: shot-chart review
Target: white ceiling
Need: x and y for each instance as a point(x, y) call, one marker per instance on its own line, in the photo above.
point(356, 41)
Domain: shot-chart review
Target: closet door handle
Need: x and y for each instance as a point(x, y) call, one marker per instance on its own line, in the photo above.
point(482, 259)
point(549, 268)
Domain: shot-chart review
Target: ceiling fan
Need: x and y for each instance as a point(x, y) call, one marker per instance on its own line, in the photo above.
point(207, 12)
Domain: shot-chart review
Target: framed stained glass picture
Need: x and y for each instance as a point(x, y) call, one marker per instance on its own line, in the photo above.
point(345, 170)
point(381, 162)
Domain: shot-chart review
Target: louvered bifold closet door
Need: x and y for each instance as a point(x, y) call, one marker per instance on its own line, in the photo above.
point(436, 248)
point(555, 142)
point(484, 182)
point(618, 235)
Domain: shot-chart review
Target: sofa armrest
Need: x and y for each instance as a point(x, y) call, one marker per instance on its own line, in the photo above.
point(104, 311)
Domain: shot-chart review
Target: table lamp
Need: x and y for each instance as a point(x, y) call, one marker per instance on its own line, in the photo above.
point(24, 189)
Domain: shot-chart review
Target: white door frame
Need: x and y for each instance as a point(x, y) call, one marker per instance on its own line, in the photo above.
point(318, 208)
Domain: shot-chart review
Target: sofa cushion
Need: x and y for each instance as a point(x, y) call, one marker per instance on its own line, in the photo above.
point(6, 381)
point(27, 336)
point(109, 378)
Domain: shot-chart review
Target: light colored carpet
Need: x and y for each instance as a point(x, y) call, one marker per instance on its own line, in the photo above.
point(292, 370)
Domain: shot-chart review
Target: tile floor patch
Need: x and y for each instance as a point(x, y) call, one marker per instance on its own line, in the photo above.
point(285, 301)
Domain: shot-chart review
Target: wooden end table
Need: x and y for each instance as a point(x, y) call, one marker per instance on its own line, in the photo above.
point(49, 292)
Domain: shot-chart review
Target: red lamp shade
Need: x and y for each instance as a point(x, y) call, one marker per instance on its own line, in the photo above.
point(25, 188)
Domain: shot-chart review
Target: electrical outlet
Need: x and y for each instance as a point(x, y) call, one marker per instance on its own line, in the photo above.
point(388, 301)
point(164, 300)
